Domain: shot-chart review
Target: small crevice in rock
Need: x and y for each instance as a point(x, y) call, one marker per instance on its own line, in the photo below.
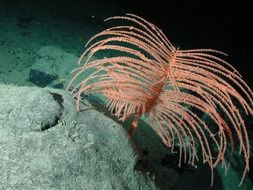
point(47, 126)
point(58, 98)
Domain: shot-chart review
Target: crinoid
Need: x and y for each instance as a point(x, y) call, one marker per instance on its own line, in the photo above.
point(144, 75)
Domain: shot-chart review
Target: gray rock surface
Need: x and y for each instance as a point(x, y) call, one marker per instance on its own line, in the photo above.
point(46, 144)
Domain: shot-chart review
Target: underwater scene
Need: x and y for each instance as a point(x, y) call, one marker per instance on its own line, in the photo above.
point(125, 95)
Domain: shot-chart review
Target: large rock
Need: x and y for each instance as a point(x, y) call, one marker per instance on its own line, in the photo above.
point(45, 144)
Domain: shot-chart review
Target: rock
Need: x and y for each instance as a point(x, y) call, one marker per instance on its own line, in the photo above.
point(46, 144)
point(40, 78)
point(52, 67)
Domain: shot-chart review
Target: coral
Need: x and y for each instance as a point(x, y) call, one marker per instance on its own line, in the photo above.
point(145, 74)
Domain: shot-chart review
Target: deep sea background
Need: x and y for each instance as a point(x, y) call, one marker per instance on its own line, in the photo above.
point(28, 25)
